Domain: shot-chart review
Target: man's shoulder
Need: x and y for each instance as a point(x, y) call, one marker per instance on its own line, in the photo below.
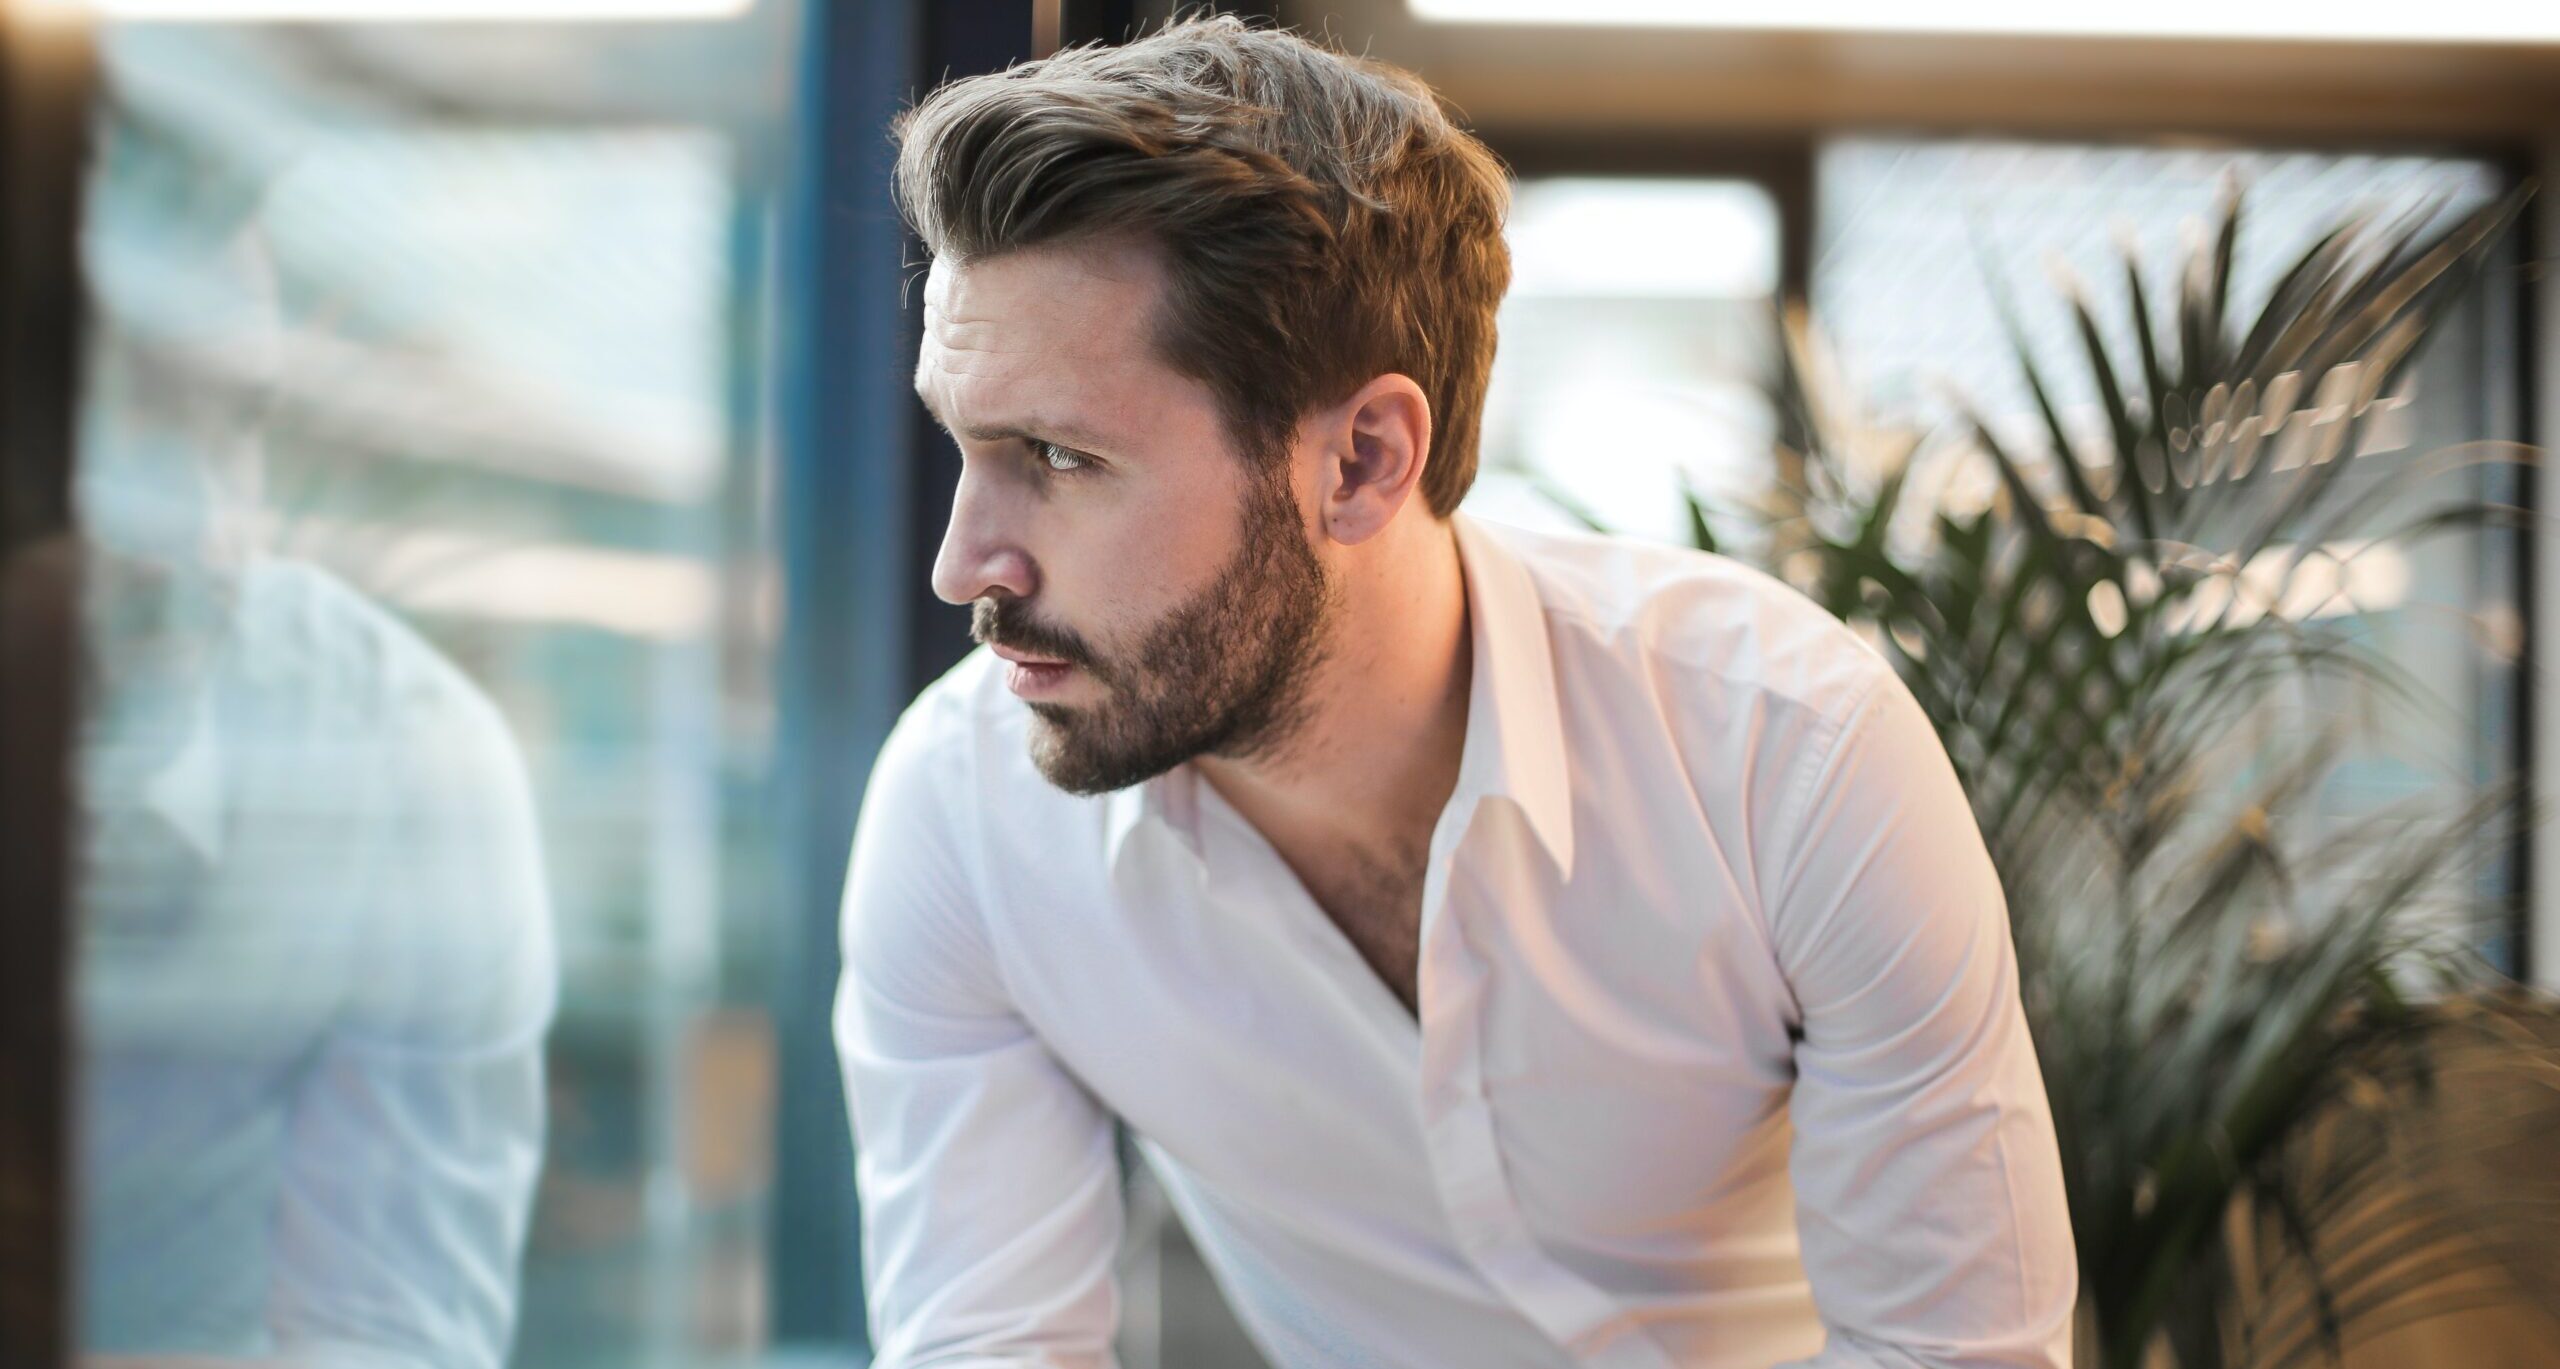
point(963, 747)
point(302, 629)
point(335, 670)
point(1696, 619)
point(964, 704)
point(961, 843)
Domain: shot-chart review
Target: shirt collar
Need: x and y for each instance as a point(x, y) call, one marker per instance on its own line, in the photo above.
point(186, 793)
point(1515, 720)
point(1122, 811)
point(1514, 747)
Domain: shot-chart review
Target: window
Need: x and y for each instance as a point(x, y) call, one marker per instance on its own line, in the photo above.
point(1635, 353)
point(425, 913)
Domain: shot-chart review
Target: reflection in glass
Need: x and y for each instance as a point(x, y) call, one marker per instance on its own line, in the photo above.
point(314, 958)
point(427, 472)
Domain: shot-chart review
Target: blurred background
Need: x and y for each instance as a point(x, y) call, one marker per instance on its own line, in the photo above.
point(468, 527)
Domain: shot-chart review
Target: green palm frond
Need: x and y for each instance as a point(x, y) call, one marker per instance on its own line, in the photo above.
point(2219, 986)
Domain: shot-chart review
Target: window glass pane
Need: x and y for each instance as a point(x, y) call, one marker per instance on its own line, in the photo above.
point(425, 899)
point(1904, 229)
point(1913, 235)
point(1634, 352)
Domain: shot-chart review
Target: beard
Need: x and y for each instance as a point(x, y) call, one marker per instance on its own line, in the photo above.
point(1223, 673)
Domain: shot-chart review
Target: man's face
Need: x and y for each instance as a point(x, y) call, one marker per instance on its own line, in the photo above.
point(1152, 591)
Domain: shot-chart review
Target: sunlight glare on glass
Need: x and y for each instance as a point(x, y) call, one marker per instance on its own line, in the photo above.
point(401, 11)
point(1634, 238)
point(2445, 21)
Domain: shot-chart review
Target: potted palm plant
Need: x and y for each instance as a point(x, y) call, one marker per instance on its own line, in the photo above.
point(2244, 1011)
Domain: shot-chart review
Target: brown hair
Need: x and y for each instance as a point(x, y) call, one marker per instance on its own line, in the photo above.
point(1323, 221)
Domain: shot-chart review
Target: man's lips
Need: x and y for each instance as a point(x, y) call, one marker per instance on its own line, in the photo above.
point(1030, 676)
point(1023, 658)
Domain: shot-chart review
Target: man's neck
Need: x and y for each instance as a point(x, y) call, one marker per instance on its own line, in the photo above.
point(1376, 755)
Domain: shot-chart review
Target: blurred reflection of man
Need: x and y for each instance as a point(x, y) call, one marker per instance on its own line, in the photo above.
point(1511, 949)
point(315, 962)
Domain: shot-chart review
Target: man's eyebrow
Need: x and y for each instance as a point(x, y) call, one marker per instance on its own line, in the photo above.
point(1037, 430)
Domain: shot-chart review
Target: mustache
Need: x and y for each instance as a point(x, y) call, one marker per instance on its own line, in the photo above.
point(1008, 623)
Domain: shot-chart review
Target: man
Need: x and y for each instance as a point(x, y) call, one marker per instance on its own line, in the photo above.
point(1509, 949)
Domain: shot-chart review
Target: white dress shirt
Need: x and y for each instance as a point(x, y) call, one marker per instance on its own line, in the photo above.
point(1720, 1061)
point(315, 967)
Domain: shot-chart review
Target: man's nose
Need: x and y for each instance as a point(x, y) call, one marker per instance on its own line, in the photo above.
point(981, 551)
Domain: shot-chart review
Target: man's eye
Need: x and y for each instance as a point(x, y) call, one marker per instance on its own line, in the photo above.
point(1059, 459)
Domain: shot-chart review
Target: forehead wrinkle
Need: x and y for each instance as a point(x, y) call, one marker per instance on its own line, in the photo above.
point(1086, 289)
point(954, 340)
point(1061, 428)
point(973, 372)
point(1031, 353)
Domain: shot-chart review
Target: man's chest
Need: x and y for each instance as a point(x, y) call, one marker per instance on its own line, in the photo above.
point(1376, 904)
point(1616, 1048)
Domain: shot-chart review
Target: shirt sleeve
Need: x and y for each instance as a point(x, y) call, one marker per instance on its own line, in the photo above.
point(417, 1129)
point(1928, 1182)
point(989, 1180)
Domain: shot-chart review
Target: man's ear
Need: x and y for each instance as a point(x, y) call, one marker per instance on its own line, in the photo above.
point(1376, 444)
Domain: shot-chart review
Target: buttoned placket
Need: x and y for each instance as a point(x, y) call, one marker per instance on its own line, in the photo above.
point(1466, 1155)
point(1445, 1050)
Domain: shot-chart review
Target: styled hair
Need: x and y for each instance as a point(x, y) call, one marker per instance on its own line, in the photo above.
point(1321, 218)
